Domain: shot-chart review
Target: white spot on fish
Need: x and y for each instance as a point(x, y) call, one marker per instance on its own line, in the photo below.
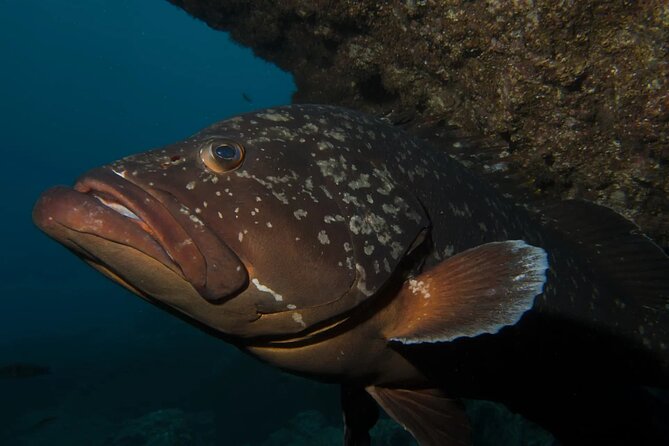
point(300, 213)
point(348, 199)
point(324, 145)
point(297, 317)
point(390, 209)
point(326, 192)
point(323, 238)
point(337, 134)
point(361, 282)
point(419, 287)
point(276, 117)
point(196, 220)
point(240, 236)
point(278, 297)
point(361, 182)
point(330, 169)
point(331, 219)
point(386, 265)
point(190, 185)
point(280, 196)
point(309, 128)
point(121, 173)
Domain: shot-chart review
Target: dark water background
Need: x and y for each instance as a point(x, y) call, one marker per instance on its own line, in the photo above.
point(83, 83)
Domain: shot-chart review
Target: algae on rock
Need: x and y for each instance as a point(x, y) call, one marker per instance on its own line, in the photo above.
point(577, 93)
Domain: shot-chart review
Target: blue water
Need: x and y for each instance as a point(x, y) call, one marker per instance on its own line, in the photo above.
point(83, 83)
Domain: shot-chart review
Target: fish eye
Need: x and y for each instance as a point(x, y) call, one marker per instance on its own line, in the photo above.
point(222, 156)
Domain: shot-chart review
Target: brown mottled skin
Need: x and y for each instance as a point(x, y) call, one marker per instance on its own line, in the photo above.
point(302, 257)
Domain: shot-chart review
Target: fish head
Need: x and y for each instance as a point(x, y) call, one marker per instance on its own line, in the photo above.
point(269, 223)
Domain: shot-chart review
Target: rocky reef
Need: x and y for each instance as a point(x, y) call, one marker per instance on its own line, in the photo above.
point(494, 425)
point(310, 428)
point(573, 95)
point(165, 427)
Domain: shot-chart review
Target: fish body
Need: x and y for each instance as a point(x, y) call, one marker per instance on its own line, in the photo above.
point(333, 245)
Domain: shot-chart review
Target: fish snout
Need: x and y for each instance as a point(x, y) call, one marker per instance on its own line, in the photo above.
point(106, 209)
point(53, 206)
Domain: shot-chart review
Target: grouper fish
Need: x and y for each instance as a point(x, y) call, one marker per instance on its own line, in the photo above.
point(336, 246)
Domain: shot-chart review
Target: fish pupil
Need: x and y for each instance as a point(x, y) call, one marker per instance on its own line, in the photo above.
point(226, 152)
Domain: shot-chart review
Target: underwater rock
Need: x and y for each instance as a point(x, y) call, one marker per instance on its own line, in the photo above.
point(166, 427)
point(493, 425)
point(306, 428)
point(576, 93)
point(310, 428)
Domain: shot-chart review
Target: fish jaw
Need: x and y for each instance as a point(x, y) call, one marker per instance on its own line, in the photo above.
point(104, 212)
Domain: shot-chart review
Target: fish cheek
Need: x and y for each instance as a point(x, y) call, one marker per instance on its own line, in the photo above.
point(155, 282)
point(291, 268)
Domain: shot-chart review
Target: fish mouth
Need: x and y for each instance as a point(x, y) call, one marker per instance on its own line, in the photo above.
point(105, 204)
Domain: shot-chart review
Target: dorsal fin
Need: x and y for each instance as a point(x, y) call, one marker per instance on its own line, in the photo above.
point(615, 248)
point(632, 270)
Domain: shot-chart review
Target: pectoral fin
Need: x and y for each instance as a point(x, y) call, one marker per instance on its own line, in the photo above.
point(477, 291)
point(427, 414)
